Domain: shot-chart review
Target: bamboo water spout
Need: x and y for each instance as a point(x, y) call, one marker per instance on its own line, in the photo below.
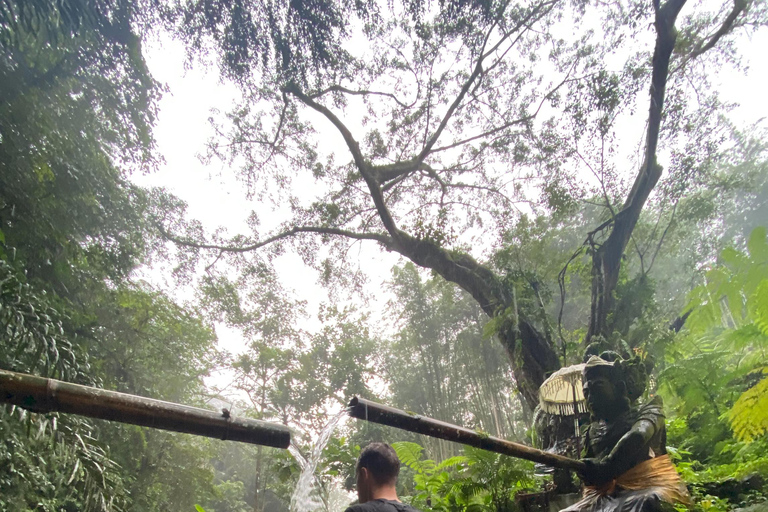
point(39, 394)
point(385, 415)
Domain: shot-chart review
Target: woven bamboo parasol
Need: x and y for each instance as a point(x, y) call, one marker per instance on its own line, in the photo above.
point(562, 393)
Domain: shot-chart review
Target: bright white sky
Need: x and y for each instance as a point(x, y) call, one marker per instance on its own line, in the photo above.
point(216, 199)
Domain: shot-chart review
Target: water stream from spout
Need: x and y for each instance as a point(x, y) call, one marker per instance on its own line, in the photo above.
point(308, 495)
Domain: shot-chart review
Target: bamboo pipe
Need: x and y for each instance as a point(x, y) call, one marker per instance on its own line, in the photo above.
point(371, 411)
point(39, 394)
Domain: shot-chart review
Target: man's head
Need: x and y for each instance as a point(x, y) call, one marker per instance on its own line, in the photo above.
point(376, 471)
point(605, 388)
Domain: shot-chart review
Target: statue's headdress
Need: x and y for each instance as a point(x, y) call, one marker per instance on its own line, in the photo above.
point(631, 372)
point(597, 361)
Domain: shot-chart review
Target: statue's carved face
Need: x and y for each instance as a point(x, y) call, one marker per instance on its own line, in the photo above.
point(603, 397)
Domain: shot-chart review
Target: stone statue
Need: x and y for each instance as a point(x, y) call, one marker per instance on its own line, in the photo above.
point(627, 466)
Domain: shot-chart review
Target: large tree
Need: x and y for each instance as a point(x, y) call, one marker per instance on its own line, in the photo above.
point(457, 120)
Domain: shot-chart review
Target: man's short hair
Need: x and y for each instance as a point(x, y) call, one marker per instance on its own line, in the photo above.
point(380, 459)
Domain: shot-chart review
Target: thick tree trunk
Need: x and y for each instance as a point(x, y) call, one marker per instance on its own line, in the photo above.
point(530, 352)
point(532, 357)
point(606, 258)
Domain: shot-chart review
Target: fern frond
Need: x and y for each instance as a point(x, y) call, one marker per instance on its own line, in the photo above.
point(749, 415)
point(468, 488)
point(451, 462)
point(409, 454)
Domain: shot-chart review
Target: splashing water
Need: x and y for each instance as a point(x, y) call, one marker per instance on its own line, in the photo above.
point(308, 495)
point(298, 456)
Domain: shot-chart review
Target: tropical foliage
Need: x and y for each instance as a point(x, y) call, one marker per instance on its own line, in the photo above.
point(716, 378)
point(476, 481)
point(480, 141)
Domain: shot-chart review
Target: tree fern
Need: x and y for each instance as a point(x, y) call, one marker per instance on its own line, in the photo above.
point(717, 368)
point(749, 415)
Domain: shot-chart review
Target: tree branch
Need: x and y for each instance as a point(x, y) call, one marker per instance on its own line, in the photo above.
point(388, 172)
point(363, 166)
point(457, 268)
point(663, 235)
point(360, 92)
point(477, 72)
point(352, 144)
point(508, 124)
point(456, 102)
point(738, 7)
point(186, 242)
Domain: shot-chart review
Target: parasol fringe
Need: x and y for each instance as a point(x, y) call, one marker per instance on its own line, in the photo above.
point(563, 409)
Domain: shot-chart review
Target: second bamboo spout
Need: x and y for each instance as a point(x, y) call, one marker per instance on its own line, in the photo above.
point(377, 413)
